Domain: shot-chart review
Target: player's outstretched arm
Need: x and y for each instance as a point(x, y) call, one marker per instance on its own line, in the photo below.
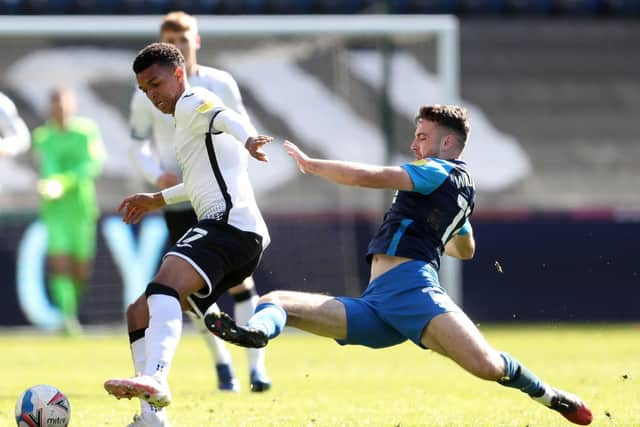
point(241, 129)
point(254, 145)
point(14, 134)
point(351, 173)
point(134, 207)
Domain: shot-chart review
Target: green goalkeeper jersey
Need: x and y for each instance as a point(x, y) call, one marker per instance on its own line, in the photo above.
point(73, 158)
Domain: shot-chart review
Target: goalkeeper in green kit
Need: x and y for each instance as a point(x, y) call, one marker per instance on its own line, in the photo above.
point(70, 154)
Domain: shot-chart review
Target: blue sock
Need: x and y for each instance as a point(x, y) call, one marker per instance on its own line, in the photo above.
point(269, 318)
point(517, 376)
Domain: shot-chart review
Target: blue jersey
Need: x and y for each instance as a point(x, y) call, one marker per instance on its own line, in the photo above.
point(420, 222)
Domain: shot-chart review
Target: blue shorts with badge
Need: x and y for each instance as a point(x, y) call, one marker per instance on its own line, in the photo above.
point(396, 306)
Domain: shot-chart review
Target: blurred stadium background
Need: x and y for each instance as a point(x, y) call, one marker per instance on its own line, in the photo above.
point(553, 91)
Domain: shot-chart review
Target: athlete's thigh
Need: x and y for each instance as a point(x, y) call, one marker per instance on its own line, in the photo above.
point(81, 270)
point(179, 274)
point(60, 264)
point(245, 285)
point(454, 335)
point(221, 254)
point(408, 297)
point(319, 314)
point(59, 240)
point(83, 239)
point(366, 327)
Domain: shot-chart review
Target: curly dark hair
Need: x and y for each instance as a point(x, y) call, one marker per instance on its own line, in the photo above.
point(451, 117)
point(158, 53)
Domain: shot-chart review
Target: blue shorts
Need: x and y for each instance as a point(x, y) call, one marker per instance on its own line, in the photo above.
point(396, 306)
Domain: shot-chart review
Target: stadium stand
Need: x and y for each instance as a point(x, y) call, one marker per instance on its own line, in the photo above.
point(573, 115)
point(531, 8)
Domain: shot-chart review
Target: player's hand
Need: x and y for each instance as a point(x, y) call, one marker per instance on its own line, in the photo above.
point(50, 188)
point(167, 180)
point(254, 146)
point(298, 155)
point(134, 207)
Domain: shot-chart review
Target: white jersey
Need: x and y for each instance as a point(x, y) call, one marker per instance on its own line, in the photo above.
point(150, 124)
point(14, 134)
point(214, 164)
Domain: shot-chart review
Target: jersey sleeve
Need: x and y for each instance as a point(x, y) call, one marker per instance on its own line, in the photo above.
point(48, 161)
point(465, 229)
point(140, 116)
point(427, 174)
point(205, 112)
point(95, 150)
point(14, 134)
point(197, 111)
point(141, 125)
point(229, 93)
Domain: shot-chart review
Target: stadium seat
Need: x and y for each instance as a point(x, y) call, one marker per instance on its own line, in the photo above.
point(238, 7)
point(255, 6)
point(291, 6)
point(424, 6)
point(482, 7)
point(11, 7)
point(529, 7)
point(144, 7)
point(198, 6)
point(342, 6)
point(53, 7)
point(577, 7)
point(621, 8)
point(92, 7)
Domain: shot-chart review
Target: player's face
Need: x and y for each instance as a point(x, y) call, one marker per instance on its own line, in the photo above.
point(63, 106)
point(163, 85)
point(427, 141)
point(188, 42)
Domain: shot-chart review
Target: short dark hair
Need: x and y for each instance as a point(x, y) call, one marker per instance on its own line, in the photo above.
point(452, 117)
point(158, 53)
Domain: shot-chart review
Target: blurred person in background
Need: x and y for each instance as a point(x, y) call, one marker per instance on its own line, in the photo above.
point(429, 216)
point(70, 155)
point(14, 134)
point(153, 154)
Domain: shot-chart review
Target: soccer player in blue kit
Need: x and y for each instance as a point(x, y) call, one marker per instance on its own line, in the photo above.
point(404, 301)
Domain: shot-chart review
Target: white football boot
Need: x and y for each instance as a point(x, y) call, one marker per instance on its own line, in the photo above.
point(143, 387)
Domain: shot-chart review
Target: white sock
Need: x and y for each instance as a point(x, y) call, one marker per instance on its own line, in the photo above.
point(138, 354)
point(218, 350)
point(162, 335)
point(545, 399)
point(242, 311)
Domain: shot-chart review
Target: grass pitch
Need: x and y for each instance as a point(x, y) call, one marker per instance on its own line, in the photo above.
point(318, 383)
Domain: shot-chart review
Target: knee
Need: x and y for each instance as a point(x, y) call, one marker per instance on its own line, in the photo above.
point(273, 297)
point(246, 286)
point(136, 310)
point(487, 366)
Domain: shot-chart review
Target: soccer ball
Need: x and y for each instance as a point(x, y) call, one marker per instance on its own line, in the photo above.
point(43, 406)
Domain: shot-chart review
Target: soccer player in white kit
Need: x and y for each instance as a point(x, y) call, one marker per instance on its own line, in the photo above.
point(218, 252)
point(153, 154)
point(14, 134)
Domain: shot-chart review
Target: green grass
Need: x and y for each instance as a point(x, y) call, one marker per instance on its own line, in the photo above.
point(318, 383)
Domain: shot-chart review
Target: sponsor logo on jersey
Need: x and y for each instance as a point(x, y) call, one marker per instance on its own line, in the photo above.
point(205, 106)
